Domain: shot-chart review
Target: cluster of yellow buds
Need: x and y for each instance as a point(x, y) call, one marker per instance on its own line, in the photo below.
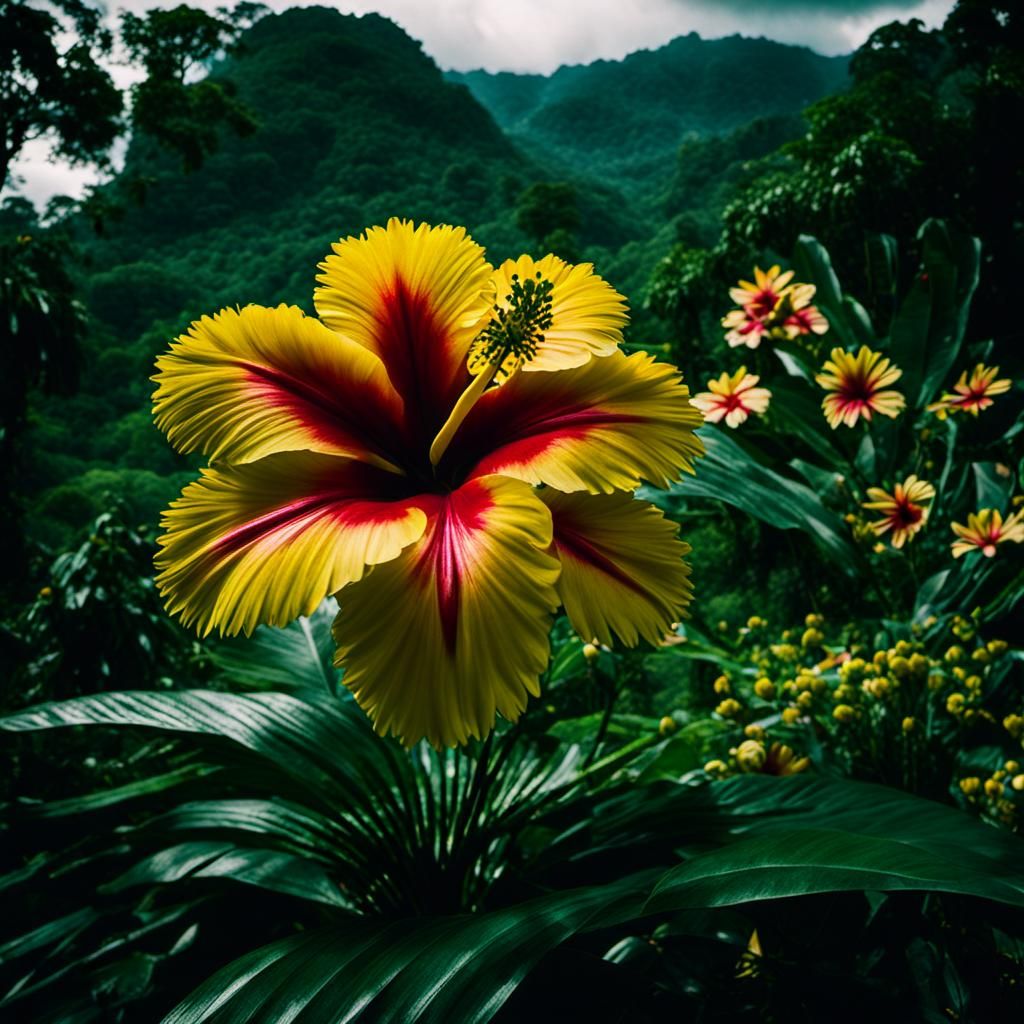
point(750, 755)
point(729, 708)
point(996, 796)
point(1014, 725)
point(812, 638)
point(963, 629)
point(877, 686)
point(899, 692)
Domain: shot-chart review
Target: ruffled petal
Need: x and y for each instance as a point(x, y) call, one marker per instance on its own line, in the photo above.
point(416, 298)
point(622, 566)
point(587, 314)
point(248, 383)
point(603, 426)
point(267, 541)
point(455, 631)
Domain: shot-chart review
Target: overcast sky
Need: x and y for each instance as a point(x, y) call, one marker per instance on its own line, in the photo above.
point(540, 35)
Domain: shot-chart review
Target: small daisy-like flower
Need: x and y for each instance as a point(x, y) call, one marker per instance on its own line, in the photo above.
point(986, 530)
point(760, 296)
point(904, 511)
point(743, 328)
point(732, 398)
point(974, 393)
point(858, 386)
point(806, 320)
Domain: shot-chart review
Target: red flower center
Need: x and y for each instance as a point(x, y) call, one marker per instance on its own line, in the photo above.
point(907, 514)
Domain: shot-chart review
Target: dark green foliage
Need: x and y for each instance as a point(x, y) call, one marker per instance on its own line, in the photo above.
point(168, 44)
point(53, 89)
point(104, 588)
point(916, 136)
point(282, 819)
point(548, 213)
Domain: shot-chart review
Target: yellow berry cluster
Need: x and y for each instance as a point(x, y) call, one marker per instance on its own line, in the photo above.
point(1000, 796)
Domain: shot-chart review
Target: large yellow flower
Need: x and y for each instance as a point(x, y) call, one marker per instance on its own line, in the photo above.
point(905, 511)
point(858, 386)
point(357, 454)
point(986, 530)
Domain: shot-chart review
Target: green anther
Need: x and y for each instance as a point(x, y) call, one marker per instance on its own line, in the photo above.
point(518, 329)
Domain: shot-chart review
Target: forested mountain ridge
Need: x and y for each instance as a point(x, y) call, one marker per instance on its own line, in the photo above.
point(627, 118)
point(355, 124)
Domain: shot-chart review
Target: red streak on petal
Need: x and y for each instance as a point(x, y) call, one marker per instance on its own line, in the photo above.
point(527, 433)
point(572, 543)
point(366, 495)
point(295, 513)
point(447, 552)
point(330, 408)
point(416, 350)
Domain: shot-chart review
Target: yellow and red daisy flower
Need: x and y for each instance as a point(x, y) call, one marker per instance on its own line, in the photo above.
point(771, 305)
point(803, 319)
point(761, 296)
point(972, 394)
point(732, 398)
point(743, 328)
point(358, 454)
point(904, 511)
point(858, 386)
point(986, 530)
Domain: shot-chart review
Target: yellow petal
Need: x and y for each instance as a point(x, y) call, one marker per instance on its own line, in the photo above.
point(245, 384)
point(622, 566)
point(266, 541)
point(606, 425)
point(587, 314)
point(438, 642)
point(415, 297)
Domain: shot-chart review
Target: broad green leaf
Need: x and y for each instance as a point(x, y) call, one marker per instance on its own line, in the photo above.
point(807, 835)
point(796, 408)
point(140, 789)
point(47, 934)
point(729, 474)
point(448, 970)
point(298, 829)
point(269, 869)
point(928, 329)
point(992, 488)
point(300, 654)
point(848, 324)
